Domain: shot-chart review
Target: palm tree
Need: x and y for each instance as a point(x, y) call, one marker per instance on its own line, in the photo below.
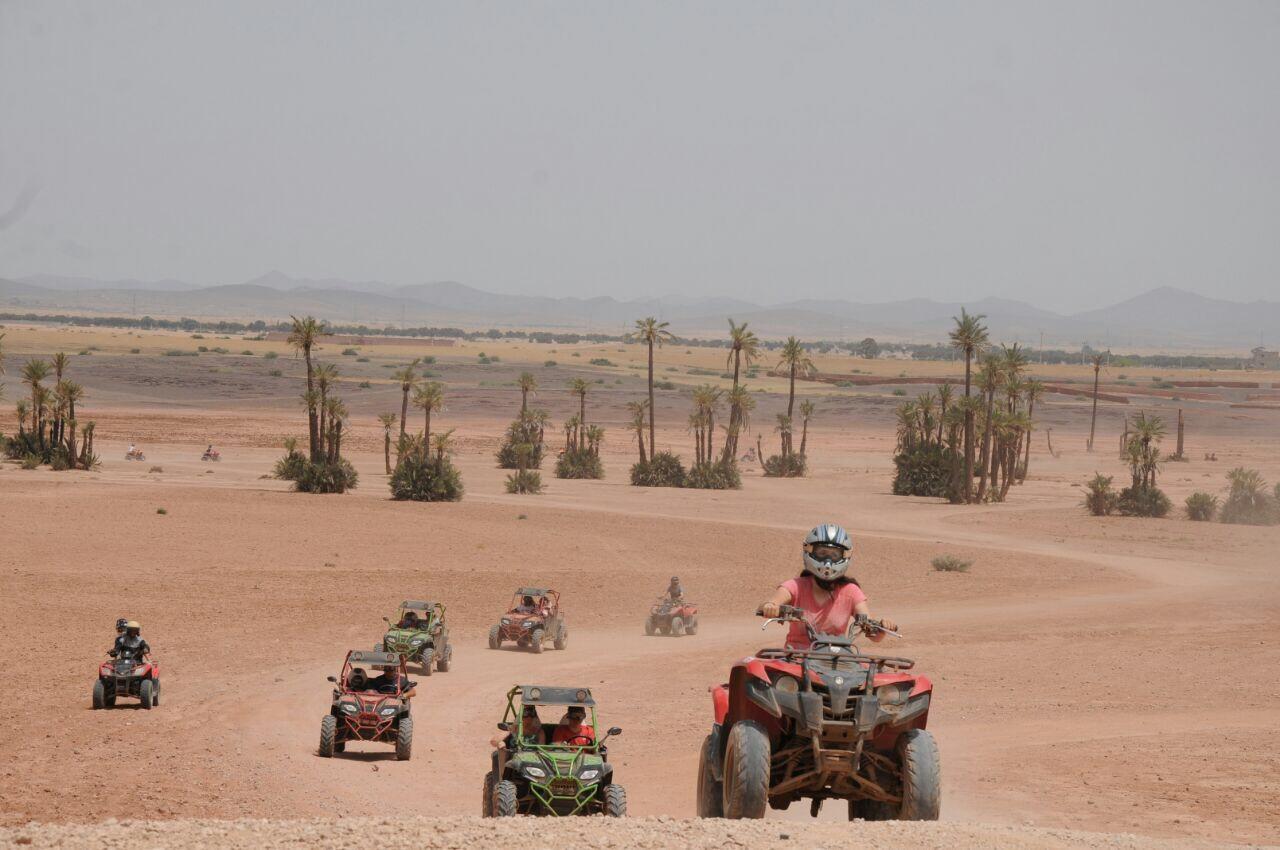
point(1, 354)
point(579, 387)
point(388, 421)
point(22, 414)
point(743, 345)
point(443, 444)
point(1034, 392)
point(969, 337)
point(1143, 450)
point(528, 384)
point(651, 332)
point(33, 373)
point(303, 336)
point(989, 377)
point(326, 376)
point(796, 361)
point(428, 397)
point(408, 380)
point(638, 411)
point(806, 413)
point(740, 405)
point(706, 399)
point(1097, 360)
point(945, 396)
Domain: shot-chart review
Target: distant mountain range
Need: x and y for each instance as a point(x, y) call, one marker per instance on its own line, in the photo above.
point(1166, 318)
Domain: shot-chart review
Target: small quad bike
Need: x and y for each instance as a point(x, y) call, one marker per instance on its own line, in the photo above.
point(211, 455)
point(533, 619)
point(359, 713)
point(420, 635)
point(822, 723)
point(136, 454)
point(672, 618)
point(127, 676)
point(529, 777)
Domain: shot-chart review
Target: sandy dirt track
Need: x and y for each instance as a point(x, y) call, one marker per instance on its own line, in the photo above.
point(1113, 675)
point(643, 833)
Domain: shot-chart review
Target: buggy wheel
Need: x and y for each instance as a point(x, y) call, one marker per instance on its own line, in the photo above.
point(99, 694)
point(443, 664)
point(155, 697)
point(506, 800)
point(538, 635)
point(691, 627)
point(404, 739)
point(486, 796)
point(428, 661)
point(111, 698)
point(495, 637)
point(921, 783)
point(677, 626)
point(710, 792)
point(615, 801)
point(746, 771)
point(562, 639)
point(649, 627)
point(146, 693)
point(328, 731)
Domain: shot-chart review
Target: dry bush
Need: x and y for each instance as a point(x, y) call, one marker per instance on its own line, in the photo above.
point(951, 564)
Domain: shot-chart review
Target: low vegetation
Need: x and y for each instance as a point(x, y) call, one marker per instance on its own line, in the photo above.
point(580, 457)
point(322, 469)
point(49, 431)
point(1248, 502)
point(662, 470)
point(1201, 507)
point(1100, 498)
point(425, 474)
point(950, 564)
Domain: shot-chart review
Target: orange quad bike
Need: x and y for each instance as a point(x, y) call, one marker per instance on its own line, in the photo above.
point(827, 722)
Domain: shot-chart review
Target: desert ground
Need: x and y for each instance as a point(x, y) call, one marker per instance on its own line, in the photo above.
point(1095, 678)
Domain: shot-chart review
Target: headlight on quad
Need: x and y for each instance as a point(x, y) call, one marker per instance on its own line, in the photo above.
point(416, 641)
point(893, 694)
point(589, 774)
point(505, 621)
point(528, 624)
point(350, 708)
point(535, 772)
point(787, 684)
point(388, 711)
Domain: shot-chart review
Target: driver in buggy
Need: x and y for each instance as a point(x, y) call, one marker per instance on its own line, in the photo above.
point(572, 730)
point(409, 620)
point(527, 606)
point(130, 644)
point(828, 595)
point(389, 682)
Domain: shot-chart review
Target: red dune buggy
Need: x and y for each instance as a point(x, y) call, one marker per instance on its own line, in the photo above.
point(533, 619)
point(127, 676)
point(822, 723)
point(672, 618)
point(360, 712)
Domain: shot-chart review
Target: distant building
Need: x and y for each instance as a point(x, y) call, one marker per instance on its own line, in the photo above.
point(1263, 359)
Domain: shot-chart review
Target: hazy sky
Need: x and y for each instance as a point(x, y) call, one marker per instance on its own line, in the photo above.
point(1067, 153)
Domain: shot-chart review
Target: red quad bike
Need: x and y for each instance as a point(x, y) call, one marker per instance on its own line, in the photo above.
point(127, 676)
point(672, 618)
point(360, 714)
point(821, 723)
point(531, 629)
point(211, 454)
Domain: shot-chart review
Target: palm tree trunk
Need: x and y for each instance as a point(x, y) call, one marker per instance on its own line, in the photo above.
point(791, 394)
point(1093, 420)
point(524, 401)
point(804, 435)
point(404, 409)
point(426, 429)
point(986, 446)
point(653, 446)
point(640, 442)
point(313, 422)
point(1026, 462)
point(967, 487)
point(386, 449)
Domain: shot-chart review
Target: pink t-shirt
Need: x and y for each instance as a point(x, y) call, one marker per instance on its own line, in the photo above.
point(830, 619)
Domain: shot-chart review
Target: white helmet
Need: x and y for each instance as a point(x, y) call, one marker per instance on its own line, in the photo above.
point(826, 552)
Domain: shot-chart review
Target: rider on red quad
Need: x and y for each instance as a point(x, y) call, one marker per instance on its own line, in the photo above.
point(829, 596)
point(130, 644)
point(675, 593)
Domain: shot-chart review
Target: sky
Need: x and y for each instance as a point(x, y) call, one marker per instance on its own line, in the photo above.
point(1069, 154)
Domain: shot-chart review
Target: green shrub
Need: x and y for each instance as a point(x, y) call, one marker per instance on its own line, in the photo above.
point(602, 361)
point(950, 564)
point(202, 348)
point(548, 363)
point(349, 352)
point(1201, 507)
point(1143, 501)
point(162, 512)
point(899, 391)
point(276, 373)
point(364, 385)
point(362, 359)
point(84, 352)
point(325, 477)
point(247, 353)
point(523, 431)
point(793, 465)
point(713, 476)
point(663, 385)
point(197, 336)
point(58, 460)
point(664, 469)
point(579, 464)
point(30, 461)
point(429, 359)
point(271, 355)
point(419, 478)
point(1100, 500)
point(1248, 502)
point(135, 350)
point(155, 469)
point(924, 471)
point(290, 467)
point(525, 482)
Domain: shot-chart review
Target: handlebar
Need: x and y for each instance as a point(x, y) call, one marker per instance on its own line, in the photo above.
point(792, 614)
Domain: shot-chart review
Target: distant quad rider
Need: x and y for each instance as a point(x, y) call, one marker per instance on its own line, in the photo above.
point(130, 645)
point(675, 592)
point(829, 597)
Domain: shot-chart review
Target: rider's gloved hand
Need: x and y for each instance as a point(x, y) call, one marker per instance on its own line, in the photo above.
point(887, 625)
point(770, 609)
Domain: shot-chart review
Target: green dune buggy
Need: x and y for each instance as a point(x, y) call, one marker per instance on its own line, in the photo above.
point(531, 775)
point(420, 634)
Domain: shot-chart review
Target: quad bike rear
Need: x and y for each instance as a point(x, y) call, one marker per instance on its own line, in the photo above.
point(574, 777)
point(127, 676)
point(358, 713)
point(827, 722)
point(533, 620)
point(421, 635)
point(211, 455)
point(668, 617)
